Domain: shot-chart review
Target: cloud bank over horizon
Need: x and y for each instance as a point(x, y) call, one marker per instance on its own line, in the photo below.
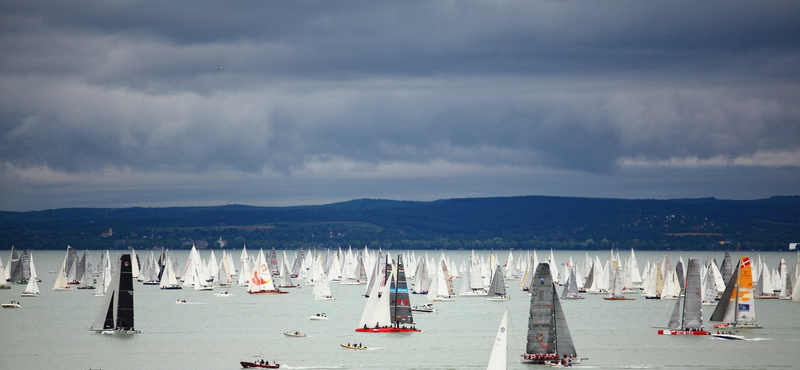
point(149, 103)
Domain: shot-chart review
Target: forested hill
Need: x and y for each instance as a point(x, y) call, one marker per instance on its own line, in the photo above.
point(472, 223)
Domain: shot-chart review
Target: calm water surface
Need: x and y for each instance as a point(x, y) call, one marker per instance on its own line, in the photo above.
point(52, 331)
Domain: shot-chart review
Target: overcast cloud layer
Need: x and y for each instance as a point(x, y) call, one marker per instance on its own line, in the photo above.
point(122, 103)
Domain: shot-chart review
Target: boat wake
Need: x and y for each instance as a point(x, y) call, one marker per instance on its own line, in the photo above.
point(622, 367)
point(757, 339)
point(314, 367)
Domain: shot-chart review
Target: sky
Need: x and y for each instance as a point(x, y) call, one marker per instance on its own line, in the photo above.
point(278, 103)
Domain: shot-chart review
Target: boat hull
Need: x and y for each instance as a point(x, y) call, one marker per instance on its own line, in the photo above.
point(738, 326)
point(253, 365)
point(269, 292)
point(728, 336)
point(352, 347)
point(387, 330)
point(683, 332)
point(118, 331)
point(618, 299)
point(532, 361)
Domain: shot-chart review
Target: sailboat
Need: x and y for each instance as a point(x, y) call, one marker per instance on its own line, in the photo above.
point(571, 287)
point(497, 289)
point(32, 289)
point(391, 311)
point(116, 312)
point(261, 282)
point(3, 276)
point(736, 307)
point(687, 317)
point(286, 281)
point(105, 276)
point(709, 288)
point(322, 290)
point(498, 359)
point(438, 290)
point(616, 291)
point(549, 340)
point(168, 279)
point(61, 279)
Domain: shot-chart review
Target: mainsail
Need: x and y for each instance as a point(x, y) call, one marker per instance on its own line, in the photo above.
point(400, 307)
point(497, 289)
point(548, 334)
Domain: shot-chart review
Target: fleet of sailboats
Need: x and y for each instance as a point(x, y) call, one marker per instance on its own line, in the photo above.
point(388, 308)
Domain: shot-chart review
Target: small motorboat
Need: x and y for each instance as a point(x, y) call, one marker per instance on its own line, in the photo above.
point(181, 301)
point(352, 346)
point(223, 293)
point(13, 304)
point(319, 316)
point(728, 335)
point(259, 365)
point(427, 307)
point(296, 334)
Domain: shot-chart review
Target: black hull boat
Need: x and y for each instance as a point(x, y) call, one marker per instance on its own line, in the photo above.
point(255, 365)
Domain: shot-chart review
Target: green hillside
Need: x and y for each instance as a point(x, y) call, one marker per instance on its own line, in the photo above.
point(475, 223)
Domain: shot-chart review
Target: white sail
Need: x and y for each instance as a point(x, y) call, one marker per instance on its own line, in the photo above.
point(3, 273)
point(322, 290)
point(498, 359)
point(32, 289)
point(61, 279)
point(134, 264)
point(635, 276)
point(368, 316)
point(34, 275)
point(709, 288)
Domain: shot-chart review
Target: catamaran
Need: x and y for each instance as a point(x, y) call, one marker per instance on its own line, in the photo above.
point(391, 312)
point(549, 340)
point(736, 307)
point(116, 312)
point(687, 317)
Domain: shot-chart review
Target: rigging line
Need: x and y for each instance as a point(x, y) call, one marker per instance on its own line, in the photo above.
point(509, 328)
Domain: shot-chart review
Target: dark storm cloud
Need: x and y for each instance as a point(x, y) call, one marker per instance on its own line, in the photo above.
point(384, 88)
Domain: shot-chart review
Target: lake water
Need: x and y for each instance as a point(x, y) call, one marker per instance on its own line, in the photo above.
point(52, 331)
